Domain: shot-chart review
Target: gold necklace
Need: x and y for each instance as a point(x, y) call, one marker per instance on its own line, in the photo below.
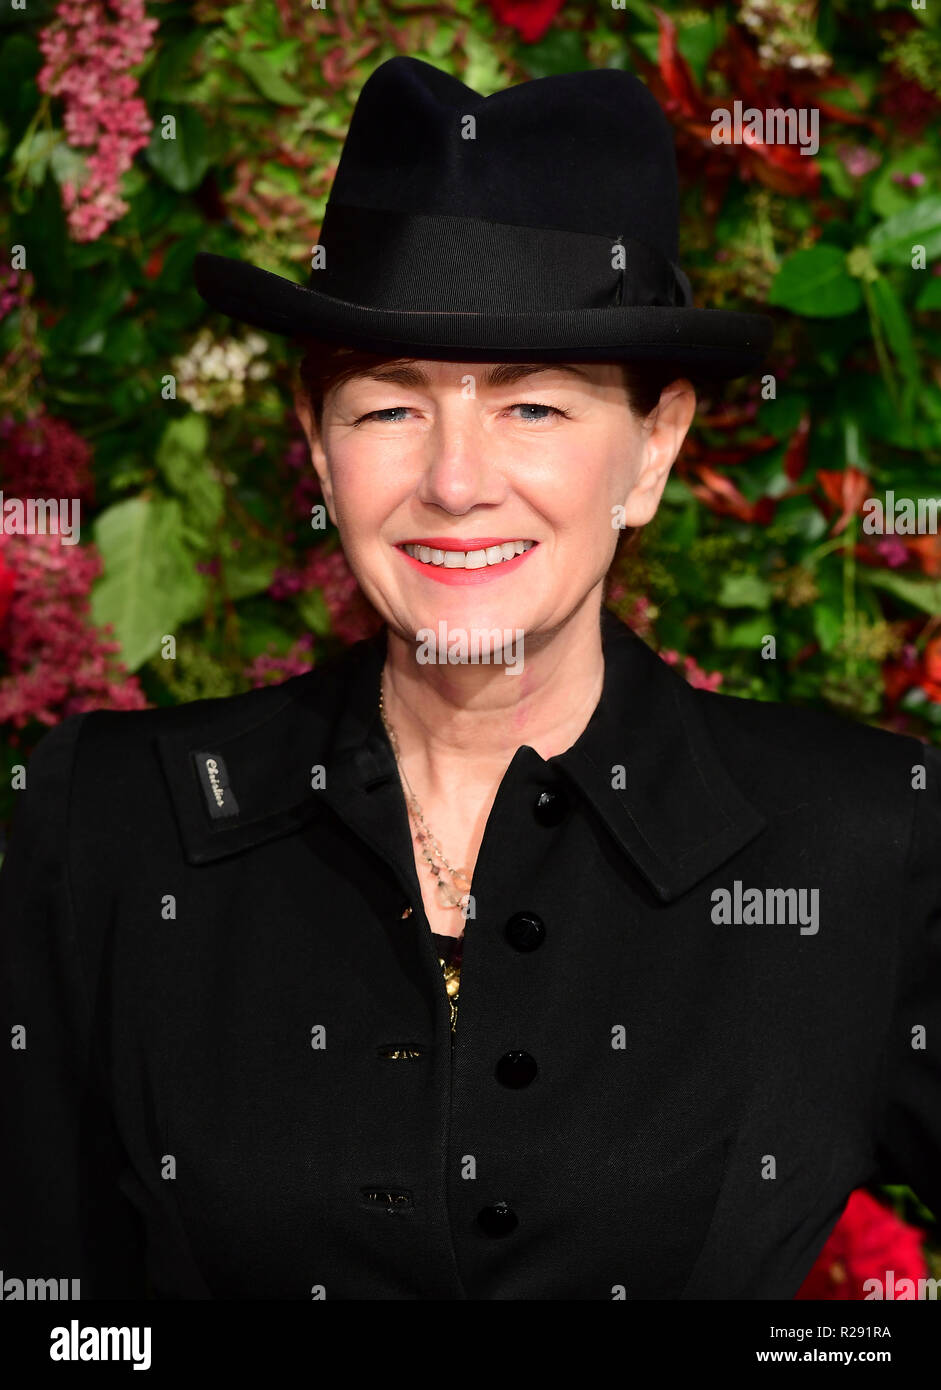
point(430, 848)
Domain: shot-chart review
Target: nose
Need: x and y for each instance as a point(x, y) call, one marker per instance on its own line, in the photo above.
point(459, 472)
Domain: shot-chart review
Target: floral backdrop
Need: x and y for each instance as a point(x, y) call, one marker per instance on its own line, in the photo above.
point(175, 431)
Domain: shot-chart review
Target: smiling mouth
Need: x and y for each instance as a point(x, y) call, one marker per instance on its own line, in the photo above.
point(468, 559)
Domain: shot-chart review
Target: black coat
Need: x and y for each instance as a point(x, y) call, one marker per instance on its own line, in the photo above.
point(239, 1079)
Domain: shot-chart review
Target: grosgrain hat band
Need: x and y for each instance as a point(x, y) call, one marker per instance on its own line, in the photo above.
point(440, 263)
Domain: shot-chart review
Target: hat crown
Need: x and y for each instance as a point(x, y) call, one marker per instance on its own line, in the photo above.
point(587, 152)
point(536, 224)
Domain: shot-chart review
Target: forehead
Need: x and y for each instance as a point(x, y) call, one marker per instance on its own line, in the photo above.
point(408, 372)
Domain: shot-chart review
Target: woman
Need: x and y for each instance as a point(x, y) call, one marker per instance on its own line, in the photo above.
point(699, 984)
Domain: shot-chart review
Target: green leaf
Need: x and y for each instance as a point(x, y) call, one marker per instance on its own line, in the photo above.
point(150, 585)
point(815, 282)
point(828, 609)
point(698, 41)
point(748, 634)
point(924, 594)
point(894, 320)
point(889, 197)
point(918, 225)
point(484, 71)
point(168, 79)
point(94, 301)
point(20, 60)
point(181, 162)
point(828, 626)
point(68, 165)
point(247, 569)
point(835, 172)
point(744, 591)
point(930, 296)
point(181, 458)
point(30, 159)
point(558, 51)
point(314, 612)
point(267, 79)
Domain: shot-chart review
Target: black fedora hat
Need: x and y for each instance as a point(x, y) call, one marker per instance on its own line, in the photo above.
point(539, 222)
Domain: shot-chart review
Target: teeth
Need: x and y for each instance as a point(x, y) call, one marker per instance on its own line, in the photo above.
point(468, 559)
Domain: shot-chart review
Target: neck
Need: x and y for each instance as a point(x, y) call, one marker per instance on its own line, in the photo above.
point(458, 726)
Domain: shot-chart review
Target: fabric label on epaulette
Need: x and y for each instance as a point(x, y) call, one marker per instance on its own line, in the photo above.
point(214, 778)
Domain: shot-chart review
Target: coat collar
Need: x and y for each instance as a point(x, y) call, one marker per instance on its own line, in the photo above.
point(678, 816)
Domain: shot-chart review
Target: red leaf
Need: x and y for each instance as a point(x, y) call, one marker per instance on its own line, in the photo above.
point(722, 497)
point(675, 70)
point(846, 488)
point(795, 455)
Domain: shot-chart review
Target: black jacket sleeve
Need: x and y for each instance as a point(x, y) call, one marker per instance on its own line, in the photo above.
point(909, 1133)
point(62, 1213)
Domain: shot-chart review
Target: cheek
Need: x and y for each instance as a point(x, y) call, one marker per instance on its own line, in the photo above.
point(585, 495)
point(363, 494)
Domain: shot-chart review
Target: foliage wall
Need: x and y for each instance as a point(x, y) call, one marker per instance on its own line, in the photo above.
point(196, 498)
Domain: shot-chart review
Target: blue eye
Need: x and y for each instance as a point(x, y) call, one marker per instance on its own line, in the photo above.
point(522, 405)
point(533, 406)
point(374, 414)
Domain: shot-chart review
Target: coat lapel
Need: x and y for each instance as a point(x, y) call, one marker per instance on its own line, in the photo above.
point(649, 766)
point(243, 775)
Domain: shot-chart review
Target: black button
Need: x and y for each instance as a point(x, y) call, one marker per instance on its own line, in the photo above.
point(498, 1220)
point(525, 931)
point(516, 1069)
point(550, 807)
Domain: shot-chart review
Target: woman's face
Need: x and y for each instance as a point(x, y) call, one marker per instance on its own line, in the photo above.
point(475, 455)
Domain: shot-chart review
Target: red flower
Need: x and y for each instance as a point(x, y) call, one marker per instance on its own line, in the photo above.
point(868, 1242)
point(530, 18)
point(44, 457)
point(7, 585)
point(931, 670)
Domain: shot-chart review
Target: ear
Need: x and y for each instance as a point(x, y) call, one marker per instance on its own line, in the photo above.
point(317, 454)
point(665, 429)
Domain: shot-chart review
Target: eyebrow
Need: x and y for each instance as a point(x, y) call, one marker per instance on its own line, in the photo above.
point(503, 374)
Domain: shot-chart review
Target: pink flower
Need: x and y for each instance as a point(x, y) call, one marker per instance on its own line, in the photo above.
point(53, 661)
point(692, 672)
point(272, 669)
point(858, 160)
point(351, 613)
point(892, 551)
point(88, 57)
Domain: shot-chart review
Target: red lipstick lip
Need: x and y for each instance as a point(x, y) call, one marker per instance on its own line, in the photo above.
point(456, 543)
point(486, 574)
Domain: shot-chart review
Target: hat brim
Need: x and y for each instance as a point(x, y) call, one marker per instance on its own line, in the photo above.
point(708, 342)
